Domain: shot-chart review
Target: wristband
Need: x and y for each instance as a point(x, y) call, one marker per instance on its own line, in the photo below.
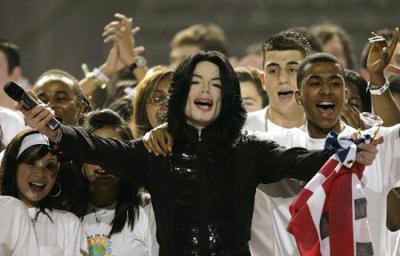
point(96, 73)
point(380, 90)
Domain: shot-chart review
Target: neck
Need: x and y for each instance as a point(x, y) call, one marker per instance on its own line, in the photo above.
point(104, 198)
point(316, 132)
point(294, 118)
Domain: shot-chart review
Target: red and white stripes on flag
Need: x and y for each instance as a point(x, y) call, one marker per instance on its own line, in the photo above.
point(329, 216)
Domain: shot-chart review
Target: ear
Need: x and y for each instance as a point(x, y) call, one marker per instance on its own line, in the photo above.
point(262, 76)
point(346, 94)
point(298, 97)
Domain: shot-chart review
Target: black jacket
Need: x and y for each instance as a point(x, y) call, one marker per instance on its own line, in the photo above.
point(224, 186)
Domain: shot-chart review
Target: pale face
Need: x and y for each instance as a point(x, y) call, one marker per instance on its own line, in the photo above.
point(35, 181)
point(62, 99)
point(251, 98)
point(157, 103)
point(335, 47)
point(280, 70)
point(97, 176)
point(204, 100)
point(181, 52)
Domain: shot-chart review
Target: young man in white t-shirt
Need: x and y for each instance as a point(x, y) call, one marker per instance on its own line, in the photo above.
point(282, 54)
point(271, 201)
point(17, 236)
point(322, 94)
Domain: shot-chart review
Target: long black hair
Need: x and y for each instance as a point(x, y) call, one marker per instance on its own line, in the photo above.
point(229, 123)
point(10, 162)
point(129, 199)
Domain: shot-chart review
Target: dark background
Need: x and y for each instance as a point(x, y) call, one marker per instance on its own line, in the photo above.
point(65, 33)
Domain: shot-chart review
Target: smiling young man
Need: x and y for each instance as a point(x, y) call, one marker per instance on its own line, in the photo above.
point(322, 93)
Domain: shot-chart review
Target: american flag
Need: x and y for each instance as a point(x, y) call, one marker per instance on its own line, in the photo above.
point(329, 216)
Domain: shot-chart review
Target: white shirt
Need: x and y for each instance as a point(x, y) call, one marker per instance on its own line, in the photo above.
point(141, 241)
point(11, 123)
point(17, 236)
point(381, 176)
point(263, 243)
point(62, 235)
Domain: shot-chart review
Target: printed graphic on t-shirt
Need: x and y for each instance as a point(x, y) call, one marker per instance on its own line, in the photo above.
point(99, 245)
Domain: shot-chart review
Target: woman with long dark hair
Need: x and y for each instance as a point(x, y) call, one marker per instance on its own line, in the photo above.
point(29, 172)
point(118, 219)
point(203, 193)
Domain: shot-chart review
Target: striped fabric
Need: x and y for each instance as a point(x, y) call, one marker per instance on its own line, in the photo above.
point(329, 214)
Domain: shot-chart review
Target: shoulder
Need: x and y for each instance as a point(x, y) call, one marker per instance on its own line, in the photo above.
point(62, 216)
point(8, 202)
point(255, 120)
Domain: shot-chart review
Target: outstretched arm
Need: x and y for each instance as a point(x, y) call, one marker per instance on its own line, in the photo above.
point(274, 162)
point(124, 159)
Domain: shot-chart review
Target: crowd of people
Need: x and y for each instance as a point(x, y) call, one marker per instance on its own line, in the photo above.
point(200, 157)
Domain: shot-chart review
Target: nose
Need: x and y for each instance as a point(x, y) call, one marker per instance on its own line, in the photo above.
point(38, 171)
point(325, 88)
point(206, 87)
point(283, 77)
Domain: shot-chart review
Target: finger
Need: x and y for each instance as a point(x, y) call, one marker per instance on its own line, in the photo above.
point(394, 42)
point(111, 31)
point(155, 144)
point(45, 120)
point(148, 146)
point(371, 148)
point(138, 50)
point(162, 141)
point(112, 38)
point(122, 17)
point(170, 142)
point(111, 24)
point(135, 30)
point(377, 141)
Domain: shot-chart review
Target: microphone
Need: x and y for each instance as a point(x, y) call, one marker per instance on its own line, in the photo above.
point(17, 93)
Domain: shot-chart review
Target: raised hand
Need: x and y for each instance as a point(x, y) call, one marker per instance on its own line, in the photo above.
point(379, 55)
point(122, 33)
point(113, 64)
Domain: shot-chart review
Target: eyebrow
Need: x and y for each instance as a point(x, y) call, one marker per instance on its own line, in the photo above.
point(212, 79)
point(249, 98)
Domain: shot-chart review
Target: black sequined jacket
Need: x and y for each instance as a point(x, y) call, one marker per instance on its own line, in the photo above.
point(202, 199)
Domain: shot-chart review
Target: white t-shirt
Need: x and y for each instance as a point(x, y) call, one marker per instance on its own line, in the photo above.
point(17, 236)
point(263, 243)
point(141, 241)
point(62, 235)
point(11, 123)
point(381, 176)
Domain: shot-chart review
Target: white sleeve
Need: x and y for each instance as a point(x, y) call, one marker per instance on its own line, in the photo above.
point(76, 244)
point(22, 232)
point(389, 155)
point(150, 231)
point(11, 124)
